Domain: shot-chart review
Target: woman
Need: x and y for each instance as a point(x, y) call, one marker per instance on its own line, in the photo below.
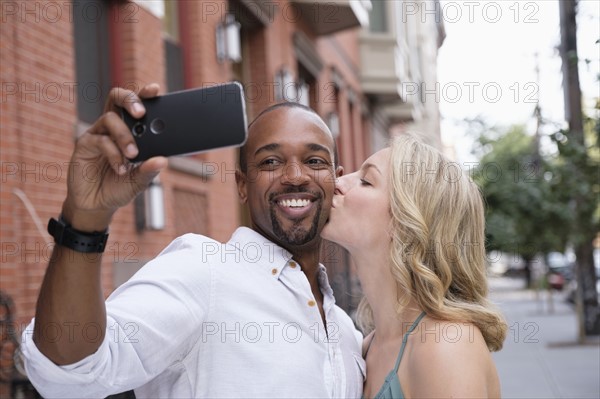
point(413, 224)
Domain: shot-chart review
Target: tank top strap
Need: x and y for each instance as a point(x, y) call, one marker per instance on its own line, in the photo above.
point(405, 339)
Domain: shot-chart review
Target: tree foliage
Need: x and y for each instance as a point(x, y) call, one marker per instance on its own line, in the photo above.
point(578, 174)
point(525, 211)
point(579, 169)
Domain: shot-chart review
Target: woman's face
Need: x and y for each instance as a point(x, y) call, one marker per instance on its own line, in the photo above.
point(360, 214)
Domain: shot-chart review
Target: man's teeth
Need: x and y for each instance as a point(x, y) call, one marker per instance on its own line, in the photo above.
point(294, 203)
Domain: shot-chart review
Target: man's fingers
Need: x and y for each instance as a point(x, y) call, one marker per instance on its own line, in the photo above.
point(111, 137)
point(149, 91)
point(112, 154)
point(123, 98)
point(120, 134)
point(144, 173)
point(153, 165)
point(111, 125)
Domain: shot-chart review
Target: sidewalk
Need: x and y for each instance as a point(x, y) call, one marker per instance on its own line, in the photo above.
point(540, 358)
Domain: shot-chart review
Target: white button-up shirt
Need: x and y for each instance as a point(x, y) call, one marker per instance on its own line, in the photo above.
point(206, 319)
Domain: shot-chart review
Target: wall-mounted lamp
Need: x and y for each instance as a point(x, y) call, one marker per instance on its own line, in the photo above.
point(285, 87)
point(304, 93)
point(333, 122)
point(229, 46)
point(150, 207)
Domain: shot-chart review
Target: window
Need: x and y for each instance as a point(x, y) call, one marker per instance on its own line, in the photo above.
point(378, 17)
point(309, 66)
point(285, 87)
point(173, 49)
point(92, 58)
point(306, 87)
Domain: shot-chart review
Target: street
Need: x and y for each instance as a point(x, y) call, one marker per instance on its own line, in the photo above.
point(541, 357)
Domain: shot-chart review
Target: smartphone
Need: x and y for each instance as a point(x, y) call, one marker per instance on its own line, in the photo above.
point(190, 121)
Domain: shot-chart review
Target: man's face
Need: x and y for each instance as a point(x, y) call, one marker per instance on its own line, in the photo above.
point(290, 176)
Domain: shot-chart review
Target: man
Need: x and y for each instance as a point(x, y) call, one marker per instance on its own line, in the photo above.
point(254, 317)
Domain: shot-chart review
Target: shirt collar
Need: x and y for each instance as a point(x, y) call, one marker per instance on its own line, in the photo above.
point(255, 248)
point(324, 281)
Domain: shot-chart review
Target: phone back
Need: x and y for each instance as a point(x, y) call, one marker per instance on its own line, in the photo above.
point(190, 121)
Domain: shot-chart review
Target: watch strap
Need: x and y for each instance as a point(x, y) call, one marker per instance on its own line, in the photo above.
point(66, 236)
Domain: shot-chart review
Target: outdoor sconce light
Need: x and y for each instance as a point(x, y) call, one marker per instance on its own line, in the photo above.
point(304, 93)
point(285, 87)
point(333, 121)
point(229, 47)
point(155, 206)
point(150, 207)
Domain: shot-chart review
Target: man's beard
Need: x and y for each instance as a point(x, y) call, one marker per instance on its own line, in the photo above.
point(296, 235)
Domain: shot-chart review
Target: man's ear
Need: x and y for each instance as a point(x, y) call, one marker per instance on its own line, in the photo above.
point(339, 171)
point(240, 181)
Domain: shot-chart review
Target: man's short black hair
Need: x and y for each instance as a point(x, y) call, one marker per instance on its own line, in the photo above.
point(242, 160)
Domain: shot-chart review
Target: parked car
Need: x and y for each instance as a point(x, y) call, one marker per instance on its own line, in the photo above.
point(504, 264)
point(560, 270)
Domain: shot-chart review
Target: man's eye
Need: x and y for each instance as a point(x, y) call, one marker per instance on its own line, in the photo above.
point(269, 163)
point(317, 161)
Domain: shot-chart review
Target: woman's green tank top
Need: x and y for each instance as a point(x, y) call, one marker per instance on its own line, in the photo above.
point(391, 388)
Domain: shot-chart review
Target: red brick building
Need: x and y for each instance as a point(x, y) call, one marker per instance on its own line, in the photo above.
point(59, 59)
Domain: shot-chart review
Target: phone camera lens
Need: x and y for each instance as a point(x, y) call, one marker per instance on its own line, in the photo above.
point(138, 129)
point(157, 126)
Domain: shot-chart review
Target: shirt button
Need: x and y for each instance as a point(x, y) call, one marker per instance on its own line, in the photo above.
point(293, 264)
point(274, 272)
point(311, 303)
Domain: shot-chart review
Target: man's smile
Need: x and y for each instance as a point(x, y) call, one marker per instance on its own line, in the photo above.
point(295, 206)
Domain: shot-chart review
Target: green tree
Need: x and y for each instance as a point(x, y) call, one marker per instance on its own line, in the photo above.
point(524, 213)
point(580, 167)
point(578, 179)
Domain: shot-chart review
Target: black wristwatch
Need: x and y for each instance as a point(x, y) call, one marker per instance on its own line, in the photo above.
point(76, 240)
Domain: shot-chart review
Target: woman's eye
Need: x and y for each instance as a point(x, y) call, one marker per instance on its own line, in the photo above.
point(365, 183)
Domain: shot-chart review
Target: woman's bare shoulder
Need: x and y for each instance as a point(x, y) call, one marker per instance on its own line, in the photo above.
point(451, 359)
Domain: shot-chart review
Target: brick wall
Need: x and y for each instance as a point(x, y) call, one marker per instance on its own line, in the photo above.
point(38, 111)
point(203, 70)
point(38, 116)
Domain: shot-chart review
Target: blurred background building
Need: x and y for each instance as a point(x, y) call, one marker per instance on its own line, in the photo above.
point(360, 64)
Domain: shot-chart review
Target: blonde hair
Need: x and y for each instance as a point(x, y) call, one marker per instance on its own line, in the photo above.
point(438, 241)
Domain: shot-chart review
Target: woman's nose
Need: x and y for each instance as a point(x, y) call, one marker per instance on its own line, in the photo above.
point(344, 183)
